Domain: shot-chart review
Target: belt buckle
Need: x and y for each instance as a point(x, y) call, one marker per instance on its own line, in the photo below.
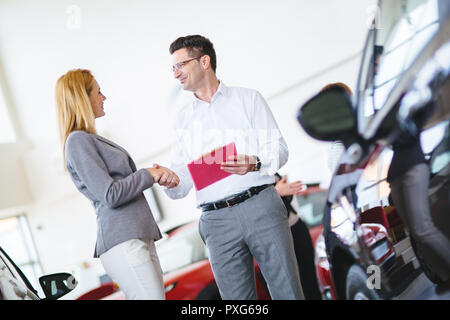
point(228, 205)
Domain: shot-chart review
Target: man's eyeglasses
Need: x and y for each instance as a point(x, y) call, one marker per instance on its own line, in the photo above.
point(180, 65)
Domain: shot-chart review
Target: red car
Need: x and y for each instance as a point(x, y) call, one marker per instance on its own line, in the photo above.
point(184, 258)
point(187, 272)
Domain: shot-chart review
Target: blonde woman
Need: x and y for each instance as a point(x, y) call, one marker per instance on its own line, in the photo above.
point(105, 173)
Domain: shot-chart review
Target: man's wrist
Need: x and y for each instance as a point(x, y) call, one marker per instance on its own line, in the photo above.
point(256, 163)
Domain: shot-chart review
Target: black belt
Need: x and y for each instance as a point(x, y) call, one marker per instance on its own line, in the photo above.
point(234, 200)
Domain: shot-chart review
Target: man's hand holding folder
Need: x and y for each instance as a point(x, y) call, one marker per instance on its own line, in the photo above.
point(217, 165)
point(206, 169)
point(239, 164)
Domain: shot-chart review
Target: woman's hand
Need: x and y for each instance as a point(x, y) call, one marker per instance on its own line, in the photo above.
point(287, 189)
point(164, 176)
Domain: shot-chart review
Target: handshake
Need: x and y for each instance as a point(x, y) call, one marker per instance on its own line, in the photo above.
point(163, 176)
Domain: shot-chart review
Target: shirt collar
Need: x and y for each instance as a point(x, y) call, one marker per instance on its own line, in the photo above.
point(221, 90)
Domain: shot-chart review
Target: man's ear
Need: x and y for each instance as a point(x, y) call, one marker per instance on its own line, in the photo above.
point(205, 62)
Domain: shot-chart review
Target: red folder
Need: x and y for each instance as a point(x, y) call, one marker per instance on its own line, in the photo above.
point(206, 169)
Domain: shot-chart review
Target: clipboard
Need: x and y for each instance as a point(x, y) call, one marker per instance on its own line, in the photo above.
point(206, 169)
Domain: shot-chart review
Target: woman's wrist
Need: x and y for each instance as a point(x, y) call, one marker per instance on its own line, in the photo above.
point(152, 172)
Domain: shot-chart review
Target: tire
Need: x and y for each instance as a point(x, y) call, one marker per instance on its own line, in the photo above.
point(426, 268)
point(210, 292)
point(356, 285)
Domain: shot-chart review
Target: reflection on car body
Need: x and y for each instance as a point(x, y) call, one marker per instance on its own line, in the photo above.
point(403, 79)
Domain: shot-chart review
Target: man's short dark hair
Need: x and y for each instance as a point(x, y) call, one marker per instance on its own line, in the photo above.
point(195, 45)
point(338, 85)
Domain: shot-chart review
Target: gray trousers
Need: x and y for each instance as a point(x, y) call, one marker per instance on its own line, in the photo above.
point(256, 228)
point(410, 195)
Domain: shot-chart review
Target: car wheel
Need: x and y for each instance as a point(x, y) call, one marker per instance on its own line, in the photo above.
point(210, 292)
point(356, 285)
point(426, 267)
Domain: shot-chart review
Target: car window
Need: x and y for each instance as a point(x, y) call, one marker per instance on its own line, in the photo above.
point(404, 29)
point(181, 250)
point(310, 207)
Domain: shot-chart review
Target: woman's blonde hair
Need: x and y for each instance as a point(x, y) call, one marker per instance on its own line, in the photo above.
point(73, 106)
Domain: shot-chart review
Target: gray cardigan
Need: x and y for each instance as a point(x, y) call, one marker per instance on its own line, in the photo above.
point(105, 173)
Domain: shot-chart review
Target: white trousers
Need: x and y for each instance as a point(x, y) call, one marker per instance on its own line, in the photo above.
point(134, 266)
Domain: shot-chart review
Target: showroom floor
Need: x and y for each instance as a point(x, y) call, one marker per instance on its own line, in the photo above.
point(423, 289)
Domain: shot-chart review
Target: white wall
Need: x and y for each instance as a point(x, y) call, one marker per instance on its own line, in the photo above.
point(268, 45)
point(308, 157)
point(14, 187)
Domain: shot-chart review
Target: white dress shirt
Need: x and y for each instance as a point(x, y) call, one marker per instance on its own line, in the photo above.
point(236, 115)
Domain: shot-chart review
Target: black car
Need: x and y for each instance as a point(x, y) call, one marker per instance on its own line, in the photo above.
point(403, 88)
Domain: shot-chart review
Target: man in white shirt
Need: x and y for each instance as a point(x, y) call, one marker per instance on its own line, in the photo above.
point(243, 216)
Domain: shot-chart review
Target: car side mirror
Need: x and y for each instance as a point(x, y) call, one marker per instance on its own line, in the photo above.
point(57, 285)
point(329, 116)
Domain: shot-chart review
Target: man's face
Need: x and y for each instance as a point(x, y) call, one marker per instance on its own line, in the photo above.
point(189, 72)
